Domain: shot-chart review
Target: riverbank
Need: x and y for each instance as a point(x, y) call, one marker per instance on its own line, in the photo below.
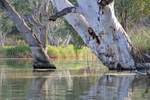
point(23, 51)
point(139, 38)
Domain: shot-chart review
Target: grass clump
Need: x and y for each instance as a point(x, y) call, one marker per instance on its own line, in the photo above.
point(23, 51)
point(69, 51)
point(61, 52)
point(18, 51)
point(3, 52)
point(141, 40)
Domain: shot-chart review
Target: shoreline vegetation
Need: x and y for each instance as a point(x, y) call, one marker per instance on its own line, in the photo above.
point(140, 39)
point(23, 51)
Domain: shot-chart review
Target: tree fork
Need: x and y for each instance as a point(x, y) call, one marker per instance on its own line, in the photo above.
point(40, 58)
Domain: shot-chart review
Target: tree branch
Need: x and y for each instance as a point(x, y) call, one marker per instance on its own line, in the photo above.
point(104, 2)
point(33, 22)
point(67, 10)
point(64, 12)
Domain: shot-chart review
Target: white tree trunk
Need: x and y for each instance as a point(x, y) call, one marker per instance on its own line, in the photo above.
point(100, 30)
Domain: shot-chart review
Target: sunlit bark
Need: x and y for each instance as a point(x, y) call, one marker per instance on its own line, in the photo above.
point(96, 23)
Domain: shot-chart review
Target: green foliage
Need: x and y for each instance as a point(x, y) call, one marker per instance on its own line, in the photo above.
point(53, 51)
point(21, 50)
point(5, 24)
point(3, 52)
point(69, 51)
point(141, 39)
point(134, 11)
point(61, 52)
point(21, 6)
point(76, 39)
point(74, 2)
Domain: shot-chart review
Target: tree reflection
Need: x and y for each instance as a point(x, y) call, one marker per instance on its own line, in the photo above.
point(119, 86)
point(2, 76)
point(49, 84)
point(38, 85)
point(64, 85)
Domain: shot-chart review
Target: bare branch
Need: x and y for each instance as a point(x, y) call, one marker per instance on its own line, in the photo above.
point(36, 10)
point(68, 10)
point(43, 10)
point(64, 12)
point(33, 22)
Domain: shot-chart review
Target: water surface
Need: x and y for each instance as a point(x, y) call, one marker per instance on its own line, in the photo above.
point(73, 80)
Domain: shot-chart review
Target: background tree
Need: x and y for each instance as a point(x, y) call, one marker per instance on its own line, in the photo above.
point(5, 28)
point(135, 12)
point(37, 45)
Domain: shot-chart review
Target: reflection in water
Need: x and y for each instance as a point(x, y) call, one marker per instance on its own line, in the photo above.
point(43, 88)
point(85, 83)
point(39, 80)
point(107, 87)
point(111, 87)
point(2, 75)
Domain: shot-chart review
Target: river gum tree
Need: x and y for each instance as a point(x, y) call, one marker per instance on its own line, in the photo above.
point(37, 45)
point(96, 23)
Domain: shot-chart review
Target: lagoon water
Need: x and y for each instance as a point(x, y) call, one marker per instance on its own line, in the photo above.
point(72, 80)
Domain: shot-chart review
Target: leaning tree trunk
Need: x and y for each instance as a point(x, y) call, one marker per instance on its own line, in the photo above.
point(40, 57)
point(96, 23)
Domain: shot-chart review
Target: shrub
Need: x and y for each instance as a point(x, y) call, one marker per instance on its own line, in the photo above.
point(21, 50)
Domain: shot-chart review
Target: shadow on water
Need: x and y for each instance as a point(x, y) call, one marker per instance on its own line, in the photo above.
point(77, 83)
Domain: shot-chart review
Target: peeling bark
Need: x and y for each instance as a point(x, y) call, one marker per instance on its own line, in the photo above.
point(100, 30)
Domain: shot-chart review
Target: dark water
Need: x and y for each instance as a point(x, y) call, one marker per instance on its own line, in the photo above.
point(73, 80)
